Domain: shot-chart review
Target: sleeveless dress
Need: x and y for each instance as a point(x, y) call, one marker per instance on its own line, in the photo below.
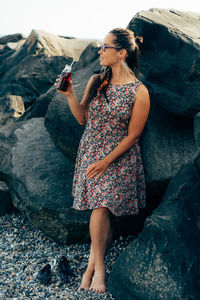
point(121, 188)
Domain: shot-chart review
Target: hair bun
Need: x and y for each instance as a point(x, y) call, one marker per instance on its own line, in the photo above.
point(139, 40)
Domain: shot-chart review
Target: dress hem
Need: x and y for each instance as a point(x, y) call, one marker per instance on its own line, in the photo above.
point(116, 215)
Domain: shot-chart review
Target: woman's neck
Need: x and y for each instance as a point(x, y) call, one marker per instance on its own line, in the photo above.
point(120, 76)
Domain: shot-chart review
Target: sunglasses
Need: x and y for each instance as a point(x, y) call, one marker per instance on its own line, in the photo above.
point(104, 47)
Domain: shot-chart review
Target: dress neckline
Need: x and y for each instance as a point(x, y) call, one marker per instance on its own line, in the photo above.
point(118, 84)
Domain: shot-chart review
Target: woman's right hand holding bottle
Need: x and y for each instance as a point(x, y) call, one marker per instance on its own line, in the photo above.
point(69, 91)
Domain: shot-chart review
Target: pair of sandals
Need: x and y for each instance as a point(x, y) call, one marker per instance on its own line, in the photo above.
point(45, 275)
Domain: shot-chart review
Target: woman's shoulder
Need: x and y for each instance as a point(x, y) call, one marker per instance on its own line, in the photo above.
point(142, 92)
point(141, 86)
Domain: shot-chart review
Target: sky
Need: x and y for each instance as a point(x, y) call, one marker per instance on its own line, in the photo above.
point(78, 18)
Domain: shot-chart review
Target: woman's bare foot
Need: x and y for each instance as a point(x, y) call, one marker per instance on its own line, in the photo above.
point(87, 276)
point(98, 284)
point(86, 280)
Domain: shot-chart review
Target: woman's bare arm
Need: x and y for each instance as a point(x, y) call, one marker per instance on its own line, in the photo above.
point(79, 110)
point(137, 122)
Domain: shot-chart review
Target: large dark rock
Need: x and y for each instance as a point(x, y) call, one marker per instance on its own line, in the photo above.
point(30, 76)
point(167, 142)
point(170, 58)
point(40, 182)
point(40, 105)
point(31, 71)
point(163, 262)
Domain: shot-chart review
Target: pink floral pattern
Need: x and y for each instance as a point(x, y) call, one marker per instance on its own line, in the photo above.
point(122, 187)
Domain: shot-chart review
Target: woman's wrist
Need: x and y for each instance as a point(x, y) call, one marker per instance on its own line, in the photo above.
point(108, 160)
point(71, 95)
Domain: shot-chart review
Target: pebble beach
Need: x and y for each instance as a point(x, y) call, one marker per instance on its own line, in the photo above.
point(24, 250)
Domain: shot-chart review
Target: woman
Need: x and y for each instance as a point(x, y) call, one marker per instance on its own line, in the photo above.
point(109, 176)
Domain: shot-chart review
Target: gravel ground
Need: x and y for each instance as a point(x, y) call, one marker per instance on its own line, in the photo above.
point(25, 250)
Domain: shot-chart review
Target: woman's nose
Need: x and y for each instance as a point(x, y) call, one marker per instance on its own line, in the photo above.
point(100, 51)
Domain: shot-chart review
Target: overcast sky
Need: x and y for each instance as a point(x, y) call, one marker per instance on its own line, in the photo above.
point(78, 18)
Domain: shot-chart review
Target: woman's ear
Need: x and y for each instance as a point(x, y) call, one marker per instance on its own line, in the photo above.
point(123, 53)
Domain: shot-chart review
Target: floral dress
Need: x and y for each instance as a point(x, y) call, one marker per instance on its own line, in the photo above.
point(121, 188)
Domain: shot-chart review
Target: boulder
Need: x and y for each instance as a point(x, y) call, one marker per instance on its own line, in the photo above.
point(49, 44)
point(30, 76)
point(163, 262)
point(40, 181)
point(170, 58)
point(40, 105)
point(33, 68)
point(11, 108)
point(167, 142)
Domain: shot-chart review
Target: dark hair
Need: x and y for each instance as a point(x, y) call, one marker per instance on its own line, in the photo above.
point(124, 39)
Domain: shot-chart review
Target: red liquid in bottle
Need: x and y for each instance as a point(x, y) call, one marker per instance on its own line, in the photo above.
point(64, 81)
point(65, 78)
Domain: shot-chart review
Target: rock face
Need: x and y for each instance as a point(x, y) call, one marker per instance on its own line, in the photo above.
point(170, 60)
point(170, 67)
point(33, 68)
point(40, 41)
point(163, 262)
point(167, 142)
point(40, 185)
point(81, 73)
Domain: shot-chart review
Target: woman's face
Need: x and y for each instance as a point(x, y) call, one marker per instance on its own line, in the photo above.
point(110, 56)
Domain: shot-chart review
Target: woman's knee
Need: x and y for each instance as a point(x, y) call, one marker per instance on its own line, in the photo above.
point(102, 211)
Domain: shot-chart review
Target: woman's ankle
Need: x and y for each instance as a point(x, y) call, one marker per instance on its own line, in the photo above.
point(90, 270)
point(100, 266)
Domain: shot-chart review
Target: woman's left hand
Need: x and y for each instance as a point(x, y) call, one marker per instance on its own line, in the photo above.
point(97, 169)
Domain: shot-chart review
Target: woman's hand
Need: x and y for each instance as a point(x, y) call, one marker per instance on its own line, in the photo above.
point(97, 169)
point(69, 90)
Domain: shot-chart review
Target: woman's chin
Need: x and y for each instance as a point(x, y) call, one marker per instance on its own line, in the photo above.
point(102, 64)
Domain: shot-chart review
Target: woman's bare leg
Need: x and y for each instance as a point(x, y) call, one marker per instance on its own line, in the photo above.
point(88, 274)
point(86, 279)
point(100, 232)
